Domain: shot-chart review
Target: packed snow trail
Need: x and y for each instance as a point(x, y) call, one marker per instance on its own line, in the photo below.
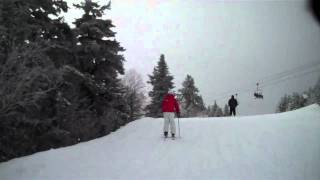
point(275, 146)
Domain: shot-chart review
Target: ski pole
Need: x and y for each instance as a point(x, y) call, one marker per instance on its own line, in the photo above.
point(179, 127)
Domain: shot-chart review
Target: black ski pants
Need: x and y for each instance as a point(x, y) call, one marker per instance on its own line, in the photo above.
point(232, 111)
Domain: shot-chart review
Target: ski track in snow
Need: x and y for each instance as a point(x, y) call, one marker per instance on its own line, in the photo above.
point(275, 146)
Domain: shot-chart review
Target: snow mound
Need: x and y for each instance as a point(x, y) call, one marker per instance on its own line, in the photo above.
point(273, 146)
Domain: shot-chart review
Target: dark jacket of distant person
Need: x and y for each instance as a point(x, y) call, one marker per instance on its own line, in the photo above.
point(233, 103)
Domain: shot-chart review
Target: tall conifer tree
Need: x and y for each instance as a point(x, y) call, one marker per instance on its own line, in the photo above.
point(161, 82)
point(191, 101)
point(226, 110)
point(99, 55)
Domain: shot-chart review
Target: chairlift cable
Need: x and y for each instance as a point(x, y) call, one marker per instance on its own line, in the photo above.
point(279, 77)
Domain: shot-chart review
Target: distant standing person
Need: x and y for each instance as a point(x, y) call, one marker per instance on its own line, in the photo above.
point(169, 107)
point(233, 103)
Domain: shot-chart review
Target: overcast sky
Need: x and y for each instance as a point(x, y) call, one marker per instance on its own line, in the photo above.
point(226, 46)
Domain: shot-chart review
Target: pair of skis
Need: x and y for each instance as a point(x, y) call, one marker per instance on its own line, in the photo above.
point(166, 137)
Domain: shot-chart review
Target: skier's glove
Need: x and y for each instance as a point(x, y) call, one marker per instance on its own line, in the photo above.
point(178, 114)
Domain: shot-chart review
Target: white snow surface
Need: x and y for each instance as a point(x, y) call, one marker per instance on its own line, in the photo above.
point(274, 146)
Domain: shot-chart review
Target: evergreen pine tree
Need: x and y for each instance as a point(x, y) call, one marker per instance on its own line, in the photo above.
point(200, 103)
point(219, 112)
point(28, 75)
point(56, 93)
point(213, 110)
point(296, 101)
point(161, 82)
point(316, 92)
point(191, 102)
point(226, 110)
point(283, 105)
point(99, 55)
point(208, 110)
point(24, 21)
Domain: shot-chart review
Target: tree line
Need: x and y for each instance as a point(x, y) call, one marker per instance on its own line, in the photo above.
point(191, 102)
point(296, 100)
point(60, 85)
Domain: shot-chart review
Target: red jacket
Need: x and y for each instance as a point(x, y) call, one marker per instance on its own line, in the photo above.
point(170, 104)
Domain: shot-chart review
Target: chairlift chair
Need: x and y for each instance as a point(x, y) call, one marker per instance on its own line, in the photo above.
point(258, 93)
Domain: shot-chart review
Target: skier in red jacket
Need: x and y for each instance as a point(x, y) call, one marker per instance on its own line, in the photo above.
point(169, 107)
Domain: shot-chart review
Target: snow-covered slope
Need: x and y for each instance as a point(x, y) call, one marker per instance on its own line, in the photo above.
point(275, 146)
